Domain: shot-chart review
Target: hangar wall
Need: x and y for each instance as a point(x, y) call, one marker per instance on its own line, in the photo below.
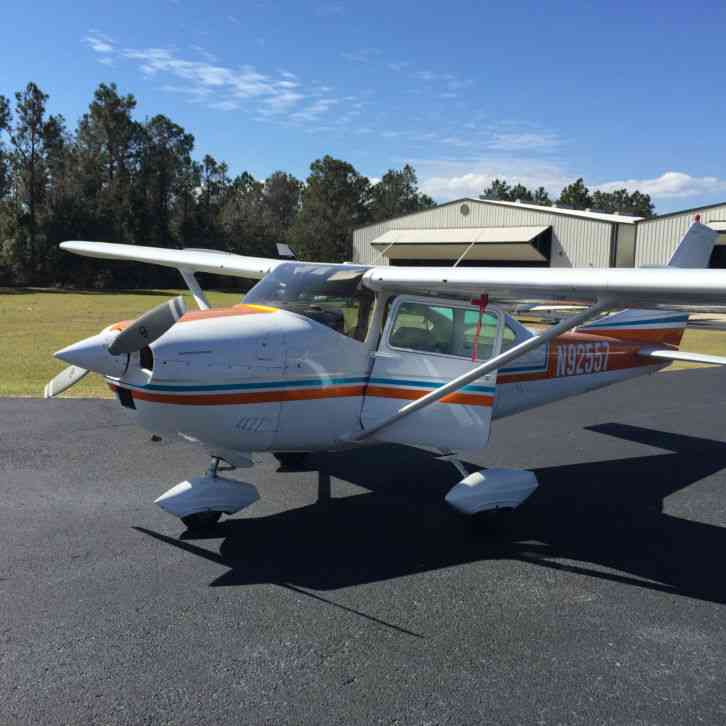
point(657, 238)
point(577, 241)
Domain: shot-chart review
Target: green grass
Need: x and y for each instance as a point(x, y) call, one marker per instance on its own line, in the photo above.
point(34, 324)
point(695, 340)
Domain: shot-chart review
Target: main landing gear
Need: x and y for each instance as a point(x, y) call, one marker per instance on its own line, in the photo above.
point(491, 493)
point(200, 501)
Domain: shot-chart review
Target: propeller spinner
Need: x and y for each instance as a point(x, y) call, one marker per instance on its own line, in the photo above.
point(108, 352)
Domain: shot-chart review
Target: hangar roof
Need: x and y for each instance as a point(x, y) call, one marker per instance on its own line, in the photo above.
point(582, 214)
point(599, 216)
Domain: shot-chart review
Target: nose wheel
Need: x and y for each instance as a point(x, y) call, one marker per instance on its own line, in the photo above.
point(201, 500)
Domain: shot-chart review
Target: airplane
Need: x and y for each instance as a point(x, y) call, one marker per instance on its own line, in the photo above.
point(323, 356)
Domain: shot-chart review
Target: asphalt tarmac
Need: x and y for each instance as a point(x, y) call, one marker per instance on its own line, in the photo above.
point(350, 594)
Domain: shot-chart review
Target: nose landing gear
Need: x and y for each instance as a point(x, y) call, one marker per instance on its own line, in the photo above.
point(200, 501)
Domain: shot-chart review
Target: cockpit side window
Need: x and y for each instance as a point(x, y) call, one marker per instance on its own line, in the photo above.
point(443, 329)
point(329, 294)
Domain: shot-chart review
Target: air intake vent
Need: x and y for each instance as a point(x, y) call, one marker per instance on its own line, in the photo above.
point(146, 358)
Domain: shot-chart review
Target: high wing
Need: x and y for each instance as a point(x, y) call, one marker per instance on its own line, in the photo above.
point(668, 287)
point(679, 285)
point(188, 260)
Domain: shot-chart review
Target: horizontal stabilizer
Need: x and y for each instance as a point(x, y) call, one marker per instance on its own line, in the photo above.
point(681, 355)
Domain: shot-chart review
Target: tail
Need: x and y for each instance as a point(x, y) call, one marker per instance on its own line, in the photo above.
point(659, 327)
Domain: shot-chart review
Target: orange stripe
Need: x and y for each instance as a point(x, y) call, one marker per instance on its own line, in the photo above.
point(235, 310)
point(220, 399)
point(469, 399)
point(217, 399)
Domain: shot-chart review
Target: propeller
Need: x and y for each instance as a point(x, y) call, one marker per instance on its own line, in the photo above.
point(108, 353)
point(148, 327)
point(65, 379)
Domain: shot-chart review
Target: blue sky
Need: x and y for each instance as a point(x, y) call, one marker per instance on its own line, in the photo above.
point(621, 93)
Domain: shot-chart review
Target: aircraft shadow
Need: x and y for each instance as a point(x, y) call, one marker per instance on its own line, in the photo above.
point(602, 519)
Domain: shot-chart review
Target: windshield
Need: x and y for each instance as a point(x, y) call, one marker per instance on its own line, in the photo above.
point(329, 294)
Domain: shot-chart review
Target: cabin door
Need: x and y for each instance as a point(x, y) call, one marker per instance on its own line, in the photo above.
point(425, 343)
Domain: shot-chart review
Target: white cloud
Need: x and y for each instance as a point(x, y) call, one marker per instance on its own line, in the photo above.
point(431, 77)
point(523, 141)
point(446, 179)
point(209, 57)
point(280, 103)
point(670, 184)
point(365, 55)
point(224, 105)
point(99, 42)
point(315, 110)
point(456, 84)
point(208, 81)
point(455, 141)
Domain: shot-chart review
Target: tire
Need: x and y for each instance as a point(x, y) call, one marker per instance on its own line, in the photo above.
point(291, 459)
point(201, 520)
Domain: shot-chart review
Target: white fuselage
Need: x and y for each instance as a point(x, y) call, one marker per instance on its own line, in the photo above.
point(255, 378)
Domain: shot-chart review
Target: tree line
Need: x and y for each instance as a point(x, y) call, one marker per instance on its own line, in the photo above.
point(118, 179)
point(575, 196)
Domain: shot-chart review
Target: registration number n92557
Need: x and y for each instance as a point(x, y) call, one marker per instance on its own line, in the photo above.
point(576, 359)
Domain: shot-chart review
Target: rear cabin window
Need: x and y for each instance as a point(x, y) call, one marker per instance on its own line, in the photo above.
point(443, 329)
point(509, 339)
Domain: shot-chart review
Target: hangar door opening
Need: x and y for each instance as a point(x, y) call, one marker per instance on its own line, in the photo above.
point(524, 246)
point(718, 256)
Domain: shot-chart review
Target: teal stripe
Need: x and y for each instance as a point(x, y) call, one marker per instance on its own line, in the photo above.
point(633, 323)
point(427, 384)
point(321, 382)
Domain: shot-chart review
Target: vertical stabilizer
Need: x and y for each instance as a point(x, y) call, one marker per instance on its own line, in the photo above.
point(661, 326)
point(695, 249)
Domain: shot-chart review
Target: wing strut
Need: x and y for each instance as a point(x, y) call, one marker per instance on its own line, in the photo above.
point(197, 293)
point(492, 364)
